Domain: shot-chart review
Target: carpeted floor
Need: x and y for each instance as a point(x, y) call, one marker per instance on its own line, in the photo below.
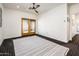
point(37, 46)
point(7, 47)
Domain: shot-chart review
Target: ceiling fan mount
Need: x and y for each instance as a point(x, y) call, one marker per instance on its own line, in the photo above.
point(34, 7)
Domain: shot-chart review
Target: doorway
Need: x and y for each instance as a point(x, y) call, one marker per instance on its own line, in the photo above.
point(28, 26)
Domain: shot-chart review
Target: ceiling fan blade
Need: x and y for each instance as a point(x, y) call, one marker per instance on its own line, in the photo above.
point(36, 11)
point(34, 7)
point(37, 6)
point(30, 8)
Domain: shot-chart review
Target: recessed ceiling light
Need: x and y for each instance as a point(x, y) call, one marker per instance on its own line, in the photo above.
point(18, 6)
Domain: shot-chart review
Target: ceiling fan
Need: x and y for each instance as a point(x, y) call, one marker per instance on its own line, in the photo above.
point(34, 7)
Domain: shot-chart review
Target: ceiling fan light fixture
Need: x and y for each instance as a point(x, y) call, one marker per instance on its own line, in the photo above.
point(34, 7)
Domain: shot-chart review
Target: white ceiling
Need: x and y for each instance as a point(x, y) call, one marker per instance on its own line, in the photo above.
point(24, 6)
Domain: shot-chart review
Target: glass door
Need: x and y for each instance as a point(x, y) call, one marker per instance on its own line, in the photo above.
point(28, 26)
point(32, 26)
point(25, 26)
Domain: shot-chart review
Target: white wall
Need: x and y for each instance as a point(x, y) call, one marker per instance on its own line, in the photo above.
point(69, 30)
point(1, 38)
point(74, 11)
point(77, 24)
point(12, 22)
point(53, 23)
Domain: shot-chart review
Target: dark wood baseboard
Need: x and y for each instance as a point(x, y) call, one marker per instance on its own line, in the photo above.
point(51, 39)
point(47, 38)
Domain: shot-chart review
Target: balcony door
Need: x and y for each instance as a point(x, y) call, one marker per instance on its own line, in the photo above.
point(28, 26)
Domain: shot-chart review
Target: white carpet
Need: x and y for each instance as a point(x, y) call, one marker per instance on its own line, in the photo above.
point(37, 46)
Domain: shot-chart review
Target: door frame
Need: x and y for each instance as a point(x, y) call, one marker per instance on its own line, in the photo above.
point(29, 27)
